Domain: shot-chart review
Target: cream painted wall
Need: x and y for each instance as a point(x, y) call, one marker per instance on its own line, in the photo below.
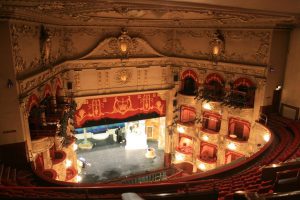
point(10, 114)
point(277, 63)
point(291, 89)
point(108, 80)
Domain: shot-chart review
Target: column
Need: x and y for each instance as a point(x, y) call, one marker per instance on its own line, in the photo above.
point(26, 130)
point(258, 102)
point(168, 96)
point(222, 137)
point(259, 97)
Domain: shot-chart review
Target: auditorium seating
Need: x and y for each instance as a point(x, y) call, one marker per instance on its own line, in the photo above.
point(19, 183)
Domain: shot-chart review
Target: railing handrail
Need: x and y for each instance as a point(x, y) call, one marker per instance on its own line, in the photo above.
point(139, 176)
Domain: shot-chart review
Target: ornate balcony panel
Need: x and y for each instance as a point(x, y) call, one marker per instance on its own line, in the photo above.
point(41, 144)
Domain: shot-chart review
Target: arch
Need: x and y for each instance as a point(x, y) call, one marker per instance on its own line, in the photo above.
point(243, 92)
point(189, 82)
point(189, 73)
point(33, 100)
point(214, 77)
point(58, 86)
point(47, 91)
point(243, 82)
point(214, 87)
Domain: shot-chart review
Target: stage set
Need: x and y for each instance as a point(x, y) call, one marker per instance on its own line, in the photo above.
point(108, 152)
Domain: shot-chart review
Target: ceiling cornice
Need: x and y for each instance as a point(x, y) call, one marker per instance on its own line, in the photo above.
point(137, 14)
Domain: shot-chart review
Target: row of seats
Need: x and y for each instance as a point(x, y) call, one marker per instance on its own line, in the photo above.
point(285, 146)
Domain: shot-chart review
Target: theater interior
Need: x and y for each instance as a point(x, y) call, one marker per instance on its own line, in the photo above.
point(168, 99)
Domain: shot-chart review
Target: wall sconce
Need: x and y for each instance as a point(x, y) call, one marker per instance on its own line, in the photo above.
point(124, 42)
point(180, 129)
point(205, 138)
point(271, 69)
point(217, 46)
point(207, 106)
point(9, 83)
point(231, 146)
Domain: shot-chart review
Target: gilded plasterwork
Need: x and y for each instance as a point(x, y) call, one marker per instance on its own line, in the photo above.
point(123, 76)
point(134, 13)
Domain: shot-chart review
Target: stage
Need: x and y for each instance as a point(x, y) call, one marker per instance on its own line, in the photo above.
point(110, 160)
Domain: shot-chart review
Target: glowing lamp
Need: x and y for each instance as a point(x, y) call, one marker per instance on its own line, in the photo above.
point(207, 106)
point(205, 138)
point(179, 157)
point(123, 46)
point(123, 77)
point(180, 129)
point(78, 179)
point(202, 166)
point(231, 146)
point(68, 163)
point(75, 147)
point(278, 87)
point(216, 50)
point(124, 42)
point(266, 137)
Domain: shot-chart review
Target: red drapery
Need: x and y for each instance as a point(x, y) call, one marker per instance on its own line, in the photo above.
point(120, 107)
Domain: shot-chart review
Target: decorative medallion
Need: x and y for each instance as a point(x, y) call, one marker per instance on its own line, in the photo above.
point(123, 76)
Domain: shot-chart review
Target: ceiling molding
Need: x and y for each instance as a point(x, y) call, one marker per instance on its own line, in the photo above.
point(141, 13)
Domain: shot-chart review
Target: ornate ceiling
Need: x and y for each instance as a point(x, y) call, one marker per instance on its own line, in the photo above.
point(142, 13)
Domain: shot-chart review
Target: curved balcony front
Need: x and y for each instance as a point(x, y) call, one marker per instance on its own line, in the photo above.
point(241, 147)
point(204, 165)
point(41, 145)
point(186, 128)
point(182, 155)
point(209, 136)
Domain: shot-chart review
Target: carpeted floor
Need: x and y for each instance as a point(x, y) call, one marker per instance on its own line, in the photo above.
point(110, 160)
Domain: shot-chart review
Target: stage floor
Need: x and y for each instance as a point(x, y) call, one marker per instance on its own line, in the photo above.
point(110, 160)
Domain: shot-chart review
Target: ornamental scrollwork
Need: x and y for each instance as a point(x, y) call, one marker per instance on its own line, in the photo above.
point(123, 76)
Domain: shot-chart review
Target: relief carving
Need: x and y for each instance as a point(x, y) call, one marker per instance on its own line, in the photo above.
point(122, 47)
point(18, 31)
point(45, 45)
point(123, 76)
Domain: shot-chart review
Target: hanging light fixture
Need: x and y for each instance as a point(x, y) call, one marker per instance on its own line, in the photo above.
point(217, 46)
point(124, 43)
